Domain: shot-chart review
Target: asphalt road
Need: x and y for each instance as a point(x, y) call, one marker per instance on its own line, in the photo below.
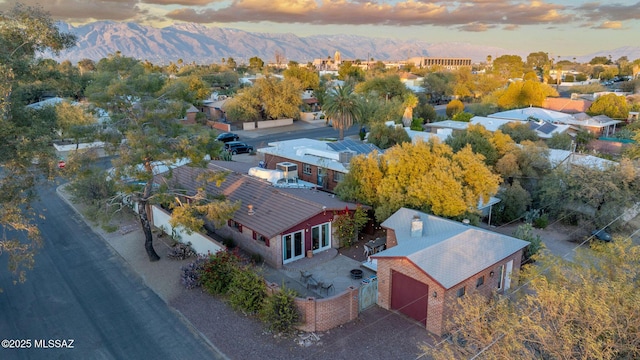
point(314, 133)
point(81, 290)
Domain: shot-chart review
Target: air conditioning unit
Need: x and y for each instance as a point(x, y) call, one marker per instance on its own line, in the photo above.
point(290, 170)
point(345, 156)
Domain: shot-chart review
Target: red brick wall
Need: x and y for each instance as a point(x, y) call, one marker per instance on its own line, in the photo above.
point(439, 308)
point(272, 160)
point(404, 266)
point(219, 126)
point(272, 254)
point(325, 314)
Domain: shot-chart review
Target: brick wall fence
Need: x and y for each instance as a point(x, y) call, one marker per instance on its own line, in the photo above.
point(324, 314)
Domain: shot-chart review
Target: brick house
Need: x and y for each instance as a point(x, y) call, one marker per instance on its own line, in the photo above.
point(319, 162)
point(430, 262)
point(279, 224)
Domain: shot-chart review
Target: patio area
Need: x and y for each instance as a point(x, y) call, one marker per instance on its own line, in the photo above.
point(328, 267)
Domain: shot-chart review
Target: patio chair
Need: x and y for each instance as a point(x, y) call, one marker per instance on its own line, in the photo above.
point(312, 283)
point(304, 276)
point(368, 250)
point(326, 286)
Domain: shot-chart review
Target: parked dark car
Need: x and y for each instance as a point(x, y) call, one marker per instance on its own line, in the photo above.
point(226, 137)
point(238, 147)
point(601, 235)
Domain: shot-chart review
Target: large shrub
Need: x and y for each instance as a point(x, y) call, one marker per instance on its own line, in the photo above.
point(218, 272)
point(280, 311)
point(247, 290)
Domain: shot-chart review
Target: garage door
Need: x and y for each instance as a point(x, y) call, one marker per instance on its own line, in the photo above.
point(409, 296)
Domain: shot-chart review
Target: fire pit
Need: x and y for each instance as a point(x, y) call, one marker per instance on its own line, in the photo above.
point(356, 274)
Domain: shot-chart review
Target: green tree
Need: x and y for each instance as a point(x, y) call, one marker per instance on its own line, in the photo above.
point(478, 138)
point(560, 141)
point(596, 195)
point(385, 87)
point(342, 107)
point(74, 122)
point(307, 78)
point(424, 110)
point(25, 32)
point(525, 232)
point(600, 60)
point(439, 85)
point(514, 201)
point(280, 311)
point(612, 105)
point(519, 132)
point(268, 98)
point(463, 116)
point(351, 73)
point(581, 309)
point(538, 61)
point(256, 63)
point(148, 138)
point(384, 136)
point(508, 66)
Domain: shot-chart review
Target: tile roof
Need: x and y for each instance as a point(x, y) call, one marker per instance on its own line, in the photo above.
point(448, 251)
point(566, 105)
point(275, 210)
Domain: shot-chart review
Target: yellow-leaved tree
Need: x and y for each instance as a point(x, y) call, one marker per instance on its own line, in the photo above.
point(427, 176)
point(585, 309)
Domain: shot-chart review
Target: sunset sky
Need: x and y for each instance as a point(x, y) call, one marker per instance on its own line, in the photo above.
point(559, 27)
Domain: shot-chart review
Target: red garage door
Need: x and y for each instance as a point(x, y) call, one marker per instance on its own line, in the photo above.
point(409, 296)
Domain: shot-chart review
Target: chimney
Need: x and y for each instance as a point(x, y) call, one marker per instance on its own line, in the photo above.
point(250, 212)
point(416, 226)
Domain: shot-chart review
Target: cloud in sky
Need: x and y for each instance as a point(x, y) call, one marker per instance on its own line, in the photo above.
point(505, 20)
point(464, 15)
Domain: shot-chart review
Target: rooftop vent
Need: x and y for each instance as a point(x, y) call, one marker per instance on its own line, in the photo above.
point(416, 226)
point(251, 211)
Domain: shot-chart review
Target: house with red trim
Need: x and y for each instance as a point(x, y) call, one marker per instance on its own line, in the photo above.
point(431, 261)
point(280, 224)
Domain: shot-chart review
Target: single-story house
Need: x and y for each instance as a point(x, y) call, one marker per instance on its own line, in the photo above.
point(320, 162)
point(279, 224)
point(566, 105)
point(431, 261)
point(600, 125)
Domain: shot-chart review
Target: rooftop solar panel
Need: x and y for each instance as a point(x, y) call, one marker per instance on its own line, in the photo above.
point(348, 144)
point(547, 128)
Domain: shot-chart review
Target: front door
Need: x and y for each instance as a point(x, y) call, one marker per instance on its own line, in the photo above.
point(321, 175)
point(293, 247)
point(320, 237)
point(507, 275)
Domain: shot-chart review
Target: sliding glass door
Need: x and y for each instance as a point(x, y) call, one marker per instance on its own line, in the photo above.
point(292, 246)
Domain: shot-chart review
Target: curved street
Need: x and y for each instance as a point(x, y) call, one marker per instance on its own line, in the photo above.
point(81, 290)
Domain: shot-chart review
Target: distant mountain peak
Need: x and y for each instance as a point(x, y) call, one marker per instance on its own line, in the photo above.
point(194, 42)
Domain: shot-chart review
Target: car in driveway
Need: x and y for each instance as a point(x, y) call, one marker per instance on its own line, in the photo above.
point(227, 136)
point(238, 147)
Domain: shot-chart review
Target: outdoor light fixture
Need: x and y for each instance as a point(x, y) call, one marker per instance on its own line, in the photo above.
point(491, 274)
point(435, 294)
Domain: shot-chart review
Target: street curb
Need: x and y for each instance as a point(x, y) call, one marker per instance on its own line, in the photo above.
point(61, 193)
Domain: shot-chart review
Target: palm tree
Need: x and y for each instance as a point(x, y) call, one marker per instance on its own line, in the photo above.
point(342, 107)
point(410, 102)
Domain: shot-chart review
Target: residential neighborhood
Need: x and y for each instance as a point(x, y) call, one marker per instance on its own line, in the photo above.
point(427, 206)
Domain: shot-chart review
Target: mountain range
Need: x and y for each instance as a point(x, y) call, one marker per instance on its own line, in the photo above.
point(205, 45)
